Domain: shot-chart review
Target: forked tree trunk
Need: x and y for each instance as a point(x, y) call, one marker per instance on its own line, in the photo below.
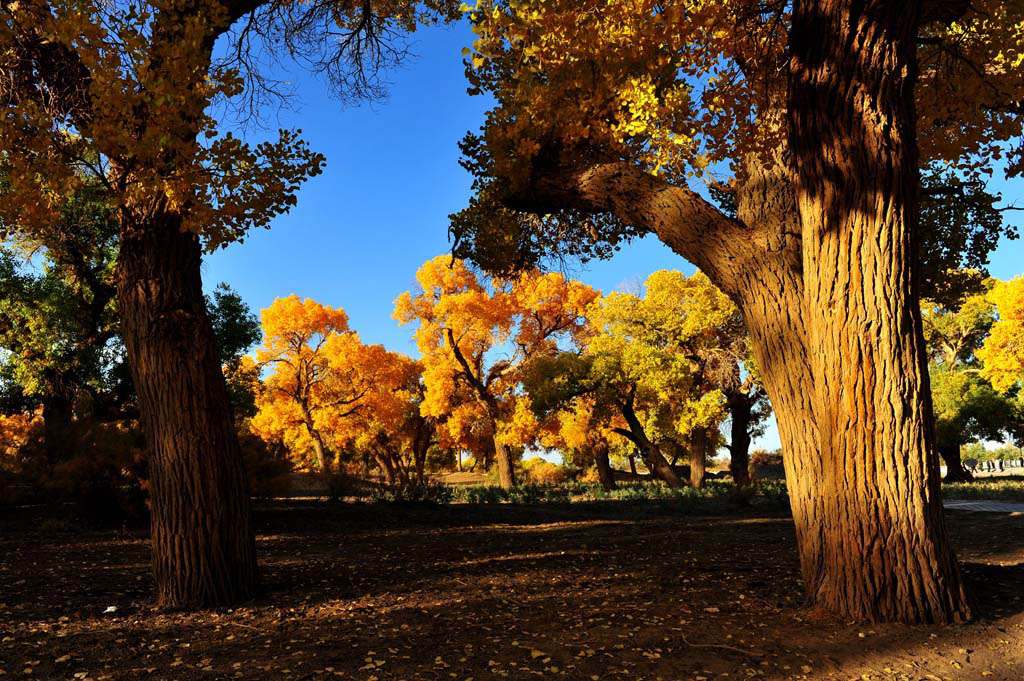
point(387, 468)
point(830, 310)
point(955, 469)
point(853, 139)
point(319, 450)
point(652, 456)
point(604, 467)
point(204, 552)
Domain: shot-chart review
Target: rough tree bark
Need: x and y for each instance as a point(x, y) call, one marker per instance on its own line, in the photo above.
point(761, 260)
point(204, 551)
point(853, 140)
point(506, 470)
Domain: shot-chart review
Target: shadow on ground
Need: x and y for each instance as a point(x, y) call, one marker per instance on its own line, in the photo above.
point(588, 591)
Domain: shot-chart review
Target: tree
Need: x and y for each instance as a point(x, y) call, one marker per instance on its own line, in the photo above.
point(392, 427)
point(322, 375)
point(586, 435)
point(1002, 354)
point(121, 93)
point(965, 405)
point(967, 410)
point(615, 110)
point(57, 320)
point(462, 326)
point(647, 360)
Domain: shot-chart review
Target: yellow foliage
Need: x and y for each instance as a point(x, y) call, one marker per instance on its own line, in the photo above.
point(1002, 355)
point(675, 87)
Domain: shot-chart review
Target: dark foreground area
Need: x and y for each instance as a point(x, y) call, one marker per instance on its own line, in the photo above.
point(588, 591)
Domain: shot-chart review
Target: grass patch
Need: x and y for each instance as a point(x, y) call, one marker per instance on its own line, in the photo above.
point(1010, 488)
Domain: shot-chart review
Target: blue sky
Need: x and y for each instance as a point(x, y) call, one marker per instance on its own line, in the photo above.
point(380, 209)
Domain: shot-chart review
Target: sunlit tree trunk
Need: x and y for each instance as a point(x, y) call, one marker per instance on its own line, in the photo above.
point(853, 140)
point(649, 451)
point(502, 452)
point(203, 544)
point(319, 449)
point(698, 458)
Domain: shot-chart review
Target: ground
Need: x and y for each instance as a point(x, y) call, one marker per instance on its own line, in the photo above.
point(590, 591)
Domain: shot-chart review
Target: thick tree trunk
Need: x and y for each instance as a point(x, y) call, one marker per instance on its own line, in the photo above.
point(604, 467)
point(955, 469)
point(506, 468)
point(852, 136)
point(740, 409)
point(698, 458)
point(761, 260)
point(204, 551)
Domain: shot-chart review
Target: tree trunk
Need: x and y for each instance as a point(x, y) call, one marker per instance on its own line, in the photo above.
point(852, 136)
point(740, 409)
point(656, 463)
point(604, 467)
point(506, 468)
point(386, 468)
point(58, 427)
point(502, 452)
point(698, 458)
point(632, 464)
point(955, 469)
point(319, 450)
point(824, 286)
point(204, 551)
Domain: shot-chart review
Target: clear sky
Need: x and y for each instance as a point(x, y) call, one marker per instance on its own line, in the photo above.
point(380, 209)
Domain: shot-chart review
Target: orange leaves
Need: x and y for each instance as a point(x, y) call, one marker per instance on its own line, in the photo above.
point(475, 336)
point(327, 384)
point(15, 431)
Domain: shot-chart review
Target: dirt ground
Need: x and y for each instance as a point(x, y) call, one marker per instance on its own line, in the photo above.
point(604, 591)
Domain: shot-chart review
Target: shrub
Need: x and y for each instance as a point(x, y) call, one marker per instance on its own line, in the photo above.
point(541, 472)
point(107, 477)
point(763, 456)
point(428, 491)
point(267, 465)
